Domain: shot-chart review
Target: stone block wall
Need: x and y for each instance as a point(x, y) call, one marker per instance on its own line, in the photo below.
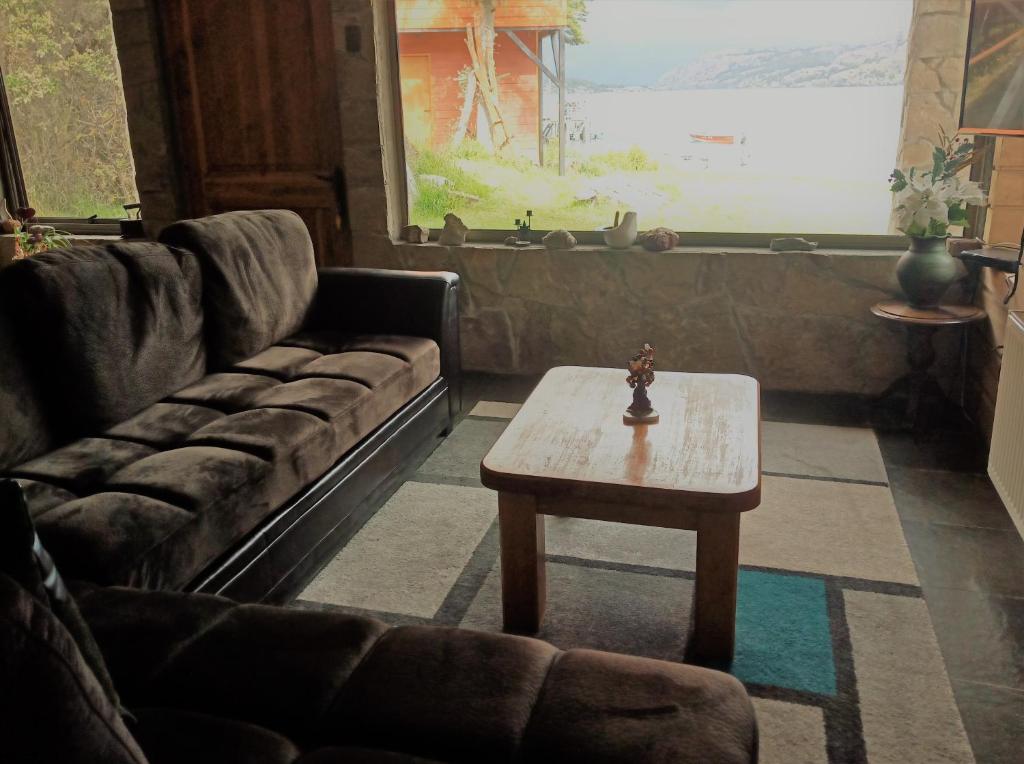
point(796, 321)
point(934, 76)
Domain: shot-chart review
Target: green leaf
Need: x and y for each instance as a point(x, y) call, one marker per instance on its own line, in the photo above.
point(938, 162)
point(957, 215)
point(898, 180)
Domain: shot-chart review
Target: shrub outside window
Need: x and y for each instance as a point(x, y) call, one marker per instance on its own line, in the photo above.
point(65, 125)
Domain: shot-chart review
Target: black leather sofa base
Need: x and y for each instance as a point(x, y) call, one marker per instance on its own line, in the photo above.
point(276, 561)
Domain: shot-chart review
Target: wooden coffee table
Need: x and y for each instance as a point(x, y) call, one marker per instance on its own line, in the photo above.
point(568, 453)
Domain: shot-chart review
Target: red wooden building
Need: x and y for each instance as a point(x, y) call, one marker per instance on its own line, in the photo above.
point(434, 58)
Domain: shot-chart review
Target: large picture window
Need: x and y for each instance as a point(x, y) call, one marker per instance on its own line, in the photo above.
point(729, 116)
point(65, 134)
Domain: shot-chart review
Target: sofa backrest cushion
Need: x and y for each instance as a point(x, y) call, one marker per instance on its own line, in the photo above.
point(259, 278)
point(24, 432)
point(107, 330)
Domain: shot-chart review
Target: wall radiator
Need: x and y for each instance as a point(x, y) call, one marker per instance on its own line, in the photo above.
point(1006, 457)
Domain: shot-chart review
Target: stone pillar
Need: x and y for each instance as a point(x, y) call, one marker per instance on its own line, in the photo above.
point(149, 119)
point(934, 77)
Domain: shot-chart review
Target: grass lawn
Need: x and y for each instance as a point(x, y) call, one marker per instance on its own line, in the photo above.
point(489, 192)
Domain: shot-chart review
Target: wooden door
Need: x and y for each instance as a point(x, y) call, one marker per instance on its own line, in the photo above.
point(255, 101)
point(416, 101)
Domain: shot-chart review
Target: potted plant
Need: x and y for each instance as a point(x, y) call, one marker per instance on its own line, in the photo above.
point(24, 239)
point(929, 201)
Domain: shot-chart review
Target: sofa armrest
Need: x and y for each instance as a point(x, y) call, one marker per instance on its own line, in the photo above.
point(331, 679)
point(379, 301)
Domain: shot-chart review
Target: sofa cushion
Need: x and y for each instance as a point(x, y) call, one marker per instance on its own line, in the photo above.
point(48, 687)
point(259, 278)
point(164, 425)
point(123, 538)
point(225, 391)
point(24, 428)
point(83, 466)
point(299, 446)
point(123, 328)
point(422, 355)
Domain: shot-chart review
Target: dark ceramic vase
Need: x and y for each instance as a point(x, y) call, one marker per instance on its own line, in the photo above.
point(925, 271)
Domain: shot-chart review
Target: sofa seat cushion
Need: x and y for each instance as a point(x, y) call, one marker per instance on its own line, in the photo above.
point(300, 446)
point(225, 391)
point(83, 466)
point(164, 425)
point(115, 537)
point(422, 355)
point(166, 492)
point(41, 496)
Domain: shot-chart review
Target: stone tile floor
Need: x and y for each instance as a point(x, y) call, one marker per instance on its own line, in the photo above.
point(968, 555)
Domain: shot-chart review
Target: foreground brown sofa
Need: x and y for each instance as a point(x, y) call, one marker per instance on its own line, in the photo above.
point(212, 412)
point(208, 681)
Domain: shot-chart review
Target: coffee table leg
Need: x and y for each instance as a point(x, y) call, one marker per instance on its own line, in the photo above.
point(523, 579)
point(714, 628)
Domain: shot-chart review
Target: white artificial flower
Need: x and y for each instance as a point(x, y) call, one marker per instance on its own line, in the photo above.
point(921, 202)
point(959, 191)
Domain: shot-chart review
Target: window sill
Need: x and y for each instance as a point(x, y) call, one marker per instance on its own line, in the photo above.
point(703, 249)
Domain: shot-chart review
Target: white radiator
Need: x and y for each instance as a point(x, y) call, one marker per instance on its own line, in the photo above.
point(1006, 458)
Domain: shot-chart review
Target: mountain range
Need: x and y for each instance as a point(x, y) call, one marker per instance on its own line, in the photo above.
point(819, 66)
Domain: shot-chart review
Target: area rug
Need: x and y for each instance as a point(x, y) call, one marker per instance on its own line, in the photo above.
point(834, 641)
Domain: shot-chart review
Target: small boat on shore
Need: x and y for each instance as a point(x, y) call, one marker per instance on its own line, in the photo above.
point(725, 140)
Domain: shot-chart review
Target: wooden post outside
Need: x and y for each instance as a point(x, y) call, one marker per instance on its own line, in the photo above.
point(523, 575)
point(561, 102)
point(540, 102)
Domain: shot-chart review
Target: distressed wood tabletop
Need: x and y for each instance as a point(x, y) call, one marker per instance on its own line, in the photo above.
point(569, 440)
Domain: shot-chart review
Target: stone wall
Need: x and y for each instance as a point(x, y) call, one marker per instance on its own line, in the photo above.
point(150, 127)
point(934, 76)
point(796, 321)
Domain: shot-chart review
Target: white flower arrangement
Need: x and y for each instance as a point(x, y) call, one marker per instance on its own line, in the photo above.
point(929, 202)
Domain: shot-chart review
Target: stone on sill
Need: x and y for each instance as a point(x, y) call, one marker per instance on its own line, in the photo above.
point(414, 234)
point(559, 239)
point(793, 244)
point(454, 232)
point(659, 239)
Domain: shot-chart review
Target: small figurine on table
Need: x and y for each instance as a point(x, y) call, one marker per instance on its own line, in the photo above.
point(641, 376)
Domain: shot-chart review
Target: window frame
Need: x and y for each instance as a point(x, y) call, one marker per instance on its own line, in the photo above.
point(12, 182)
point(725, 239)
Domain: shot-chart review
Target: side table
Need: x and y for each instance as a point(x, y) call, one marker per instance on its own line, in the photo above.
point(919, 384)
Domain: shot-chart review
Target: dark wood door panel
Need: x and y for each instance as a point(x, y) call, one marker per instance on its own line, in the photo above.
point(255, 100)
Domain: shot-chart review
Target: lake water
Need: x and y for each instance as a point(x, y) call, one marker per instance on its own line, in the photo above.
point(838, 133)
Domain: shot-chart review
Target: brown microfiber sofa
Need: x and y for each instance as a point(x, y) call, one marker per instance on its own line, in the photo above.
point(211, 411)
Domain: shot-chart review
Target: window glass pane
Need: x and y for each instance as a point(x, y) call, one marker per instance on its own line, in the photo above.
point(64, 87)
point(724, 115)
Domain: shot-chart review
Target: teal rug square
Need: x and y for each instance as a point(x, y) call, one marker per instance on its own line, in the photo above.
point(782, 633)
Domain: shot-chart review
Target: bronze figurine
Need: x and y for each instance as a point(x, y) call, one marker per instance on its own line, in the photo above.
point(641, 376)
